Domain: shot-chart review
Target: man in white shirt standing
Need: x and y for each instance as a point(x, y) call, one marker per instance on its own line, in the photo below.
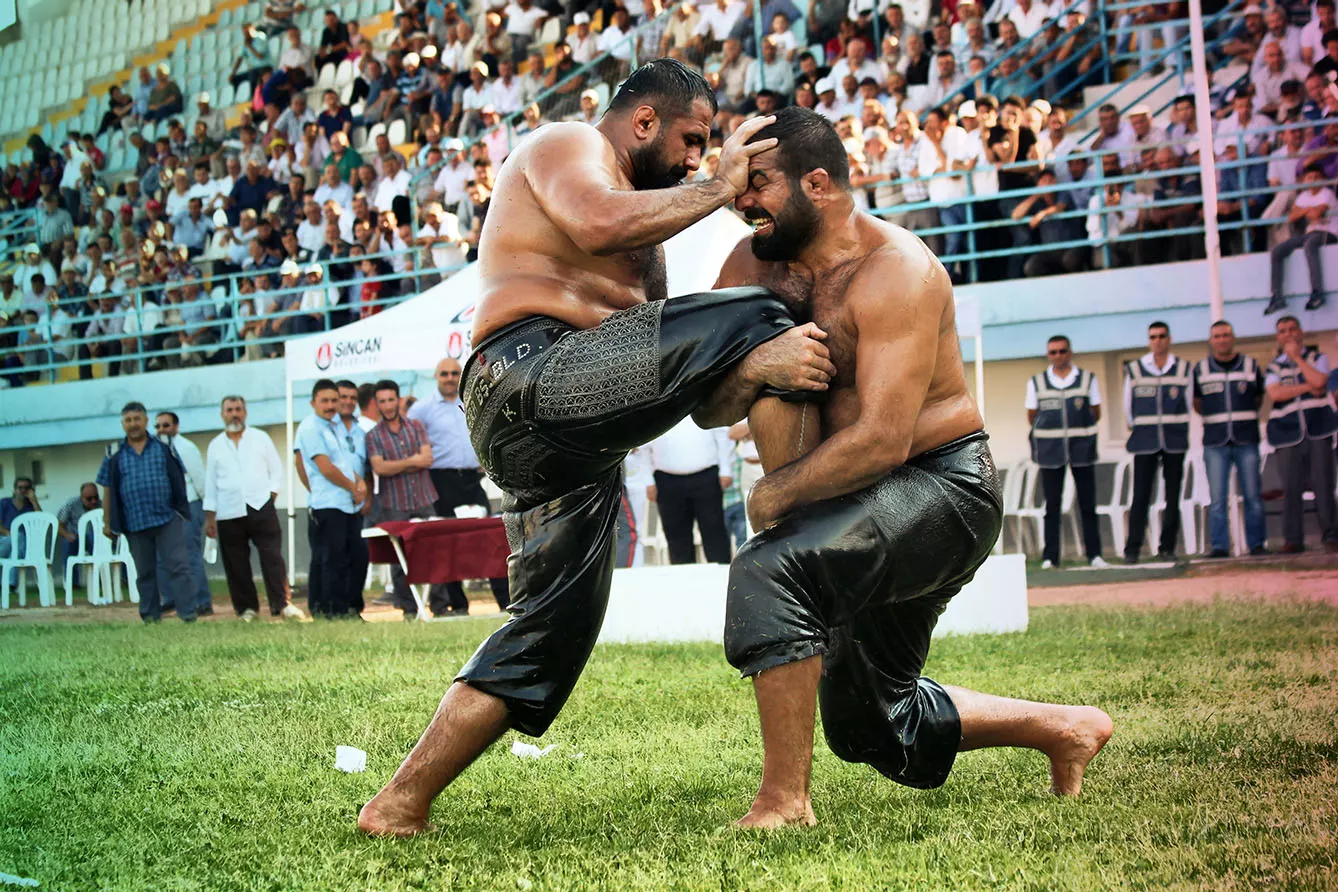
point(241, 486)
point(944, 150)
point(440, 234)
point(523, 21)
point(454, 175)
point(167, 424)
point(691, 473)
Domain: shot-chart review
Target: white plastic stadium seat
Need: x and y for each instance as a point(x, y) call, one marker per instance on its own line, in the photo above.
point(397, 133)
point(122, 555)
point(34, 545)
point(98, 560)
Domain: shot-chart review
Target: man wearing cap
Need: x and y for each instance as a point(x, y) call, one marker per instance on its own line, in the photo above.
point(34, 264)
point(1145, 134)
point(316, 300)
point(474, 98)
point(584, 44)
point(454, 175)
point(215, 121)
point(440, 235)
point(165, 99)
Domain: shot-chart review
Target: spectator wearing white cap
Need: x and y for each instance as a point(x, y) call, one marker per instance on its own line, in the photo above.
point(827, 106)
point(454, 175)
point(215, 121)
point(474, 98)
point(316, 300)
point(584, 44)
point(588, 112)
point(1146, 134)
point(34, 264)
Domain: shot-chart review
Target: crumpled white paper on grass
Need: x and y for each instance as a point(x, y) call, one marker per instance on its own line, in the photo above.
point(350, 759)
point(8, 879)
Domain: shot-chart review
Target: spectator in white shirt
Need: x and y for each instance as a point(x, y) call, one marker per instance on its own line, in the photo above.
point(333, 189)
point(1312, 33)
point(523, 21)
point(395, 183)
point(692, 468)
point(583, 43)
point(474, 98)
point(717, 21)
point(454, 175)
point(1103, 225)
point(296, 59)
point(1146, 134)
point(1318, 208)
point(1029, 17)
point(1243, 120)
point(494, 137)
point(614, 38)
point(1281, 33)
point(440, 234)
point(311, 231)
point(507, 89)
point(242, 482)
point(856, 62)
point(1276, 71)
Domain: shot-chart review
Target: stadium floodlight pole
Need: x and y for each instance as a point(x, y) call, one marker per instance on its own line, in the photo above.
point(1207, 164)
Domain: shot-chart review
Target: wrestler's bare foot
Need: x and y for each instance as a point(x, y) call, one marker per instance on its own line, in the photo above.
point(1085, 733)
point(774, 816)
point(388, 815)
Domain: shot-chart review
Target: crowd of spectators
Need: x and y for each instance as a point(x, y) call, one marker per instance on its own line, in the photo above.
point(216, 228)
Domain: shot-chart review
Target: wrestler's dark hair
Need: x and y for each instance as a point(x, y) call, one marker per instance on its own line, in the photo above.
point(1160, 324)
point(323, 384)
point(387, 384)
point(668, 86)
point(807, 141)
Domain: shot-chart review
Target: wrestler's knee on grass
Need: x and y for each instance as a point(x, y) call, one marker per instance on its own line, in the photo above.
point(769, 619)
point(910, 737)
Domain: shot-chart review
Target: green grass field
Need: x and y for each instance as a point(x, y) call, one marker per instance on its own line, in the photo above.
point(201, 757)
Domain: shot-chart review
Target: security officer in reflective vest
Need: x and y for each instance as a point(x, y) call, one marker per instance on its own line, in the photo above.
point(1228, 389)
point(1301, 426)
point(1063, 408)
point(1156, 408)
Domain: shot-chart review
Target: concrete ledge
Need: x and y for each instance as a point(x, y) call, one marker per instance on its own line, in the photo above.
point(687, 603)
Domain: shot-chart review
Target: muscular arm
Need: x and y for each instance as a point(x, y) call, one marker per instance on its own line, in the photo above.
point(898, 337)
point(573, 176)
point(738, 391)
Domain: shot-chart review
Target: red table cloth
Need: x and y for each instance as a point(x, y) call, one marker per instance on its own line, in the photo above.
point(446, 550)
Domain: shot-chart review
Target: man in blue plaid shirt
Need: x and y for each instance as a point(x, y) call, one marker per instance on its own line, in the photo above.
point(144, 496)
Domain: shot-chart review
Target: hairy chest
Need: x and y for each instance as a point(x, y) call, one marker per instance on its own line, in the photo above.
point(824, 300)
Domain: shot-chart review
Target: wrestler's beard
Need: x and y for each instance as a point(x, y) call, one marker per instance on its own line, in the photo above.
point(650, 170)
point(791, 229)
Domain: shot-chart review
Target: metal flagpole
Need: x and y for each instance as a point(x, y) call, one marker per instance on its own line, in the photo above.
point(1207, 163)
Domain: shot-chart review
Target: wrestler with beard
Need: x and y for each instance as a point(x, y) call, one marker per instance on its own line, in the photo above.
point(877, 506)
point(577, 359)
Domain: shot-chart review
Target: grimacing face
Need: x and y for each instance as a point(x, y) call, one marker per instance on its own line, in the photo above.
point(782, 217)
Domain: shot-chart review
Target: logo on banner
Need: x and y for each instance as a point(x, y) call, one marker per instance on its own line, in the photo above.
point(348, 354)
point(465, 315)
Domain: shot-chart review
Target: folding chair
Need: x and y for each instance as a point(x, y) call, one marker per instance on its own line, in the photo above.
point(34, 541)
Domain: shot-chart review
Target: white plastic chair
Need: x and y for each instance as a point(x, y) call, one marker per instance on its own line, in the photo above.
point(654, 547)
point(34, 541)
point(122, 555)
point(98, 560)
point(397, 133)
point(1033, 508)
point(1121, 498)
point(1014, 480)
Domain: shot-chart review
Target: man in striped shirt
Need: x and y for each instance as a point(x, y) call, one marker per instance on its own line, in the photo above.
point(400, 453)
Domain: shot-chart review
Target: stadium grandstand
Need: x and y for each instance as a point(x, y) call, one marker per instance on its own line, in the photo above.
point(194, 183)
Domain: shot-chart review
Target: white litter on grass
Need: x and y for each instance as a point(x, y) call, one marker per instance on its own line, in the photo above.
point(8, 879)
point(350, 759)
point(529, 750)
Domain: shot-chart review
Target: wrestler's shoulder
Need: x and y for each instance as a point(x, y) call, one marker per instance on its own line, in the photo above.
point(565, 136)
point(742, 267)
point(898, 255)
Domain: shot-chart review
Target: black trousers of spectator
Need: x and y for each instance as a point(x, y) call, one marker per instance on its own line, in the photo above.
point(685, 498)
point(456, 487)
point(259, 527)
point(1053, 263)
point(339, 563)
point(107, 350)
point(1084, 482)
point(164, 547)
point(1308, 465)
point(1145, 478)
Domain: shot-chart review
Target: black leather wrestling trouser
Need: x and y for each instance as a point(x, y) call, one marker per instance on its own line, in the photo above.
point(552, 413)
point(862, 580)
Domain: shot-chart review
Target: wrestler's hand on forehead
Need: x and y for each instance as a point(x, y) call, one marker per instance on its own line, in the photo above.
point(796, 360)
point(737, 152)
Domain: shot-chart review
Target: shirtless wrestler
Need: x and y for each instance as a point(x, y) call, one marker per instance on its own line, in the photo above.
point(578, 359)
point(876, 508)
